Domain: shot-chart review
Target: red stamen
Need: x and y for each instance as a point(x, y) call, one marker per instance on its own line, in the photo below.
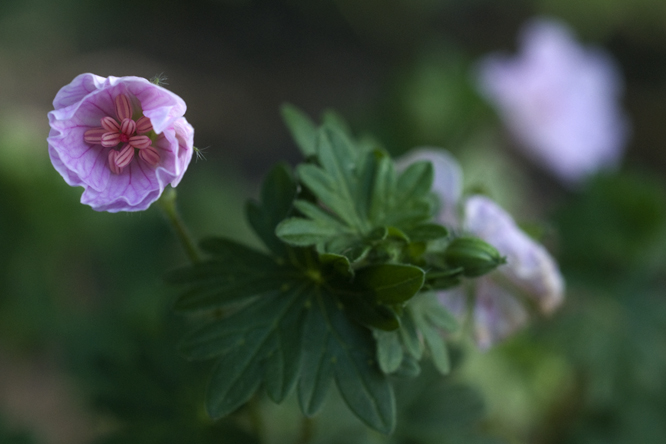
point(123, 107)
point(125, 156)
point(140, 142)
point(150, 156)
point(110, 124)
point(112, 162)
point(94, 136)
point(127, 127)
point(143, 125)
point(110, 139)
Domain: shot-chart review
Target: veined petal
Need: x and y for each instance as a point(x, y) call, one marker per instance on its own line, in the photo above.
point(123, 107)
point(161, 106)
point(529, 266)
point(497, 314)
point(133, 190)
point(81, 86)
point(83, 160)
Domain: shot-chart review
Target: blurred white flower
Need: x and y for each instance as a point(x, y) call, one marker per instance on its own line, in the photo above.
point(559, 100)
point(530, 272)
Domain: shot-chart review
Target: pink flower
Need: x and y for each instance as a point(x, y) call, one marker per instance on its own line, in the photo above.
point(123, 139)
point(559, 100)
point(530, 272)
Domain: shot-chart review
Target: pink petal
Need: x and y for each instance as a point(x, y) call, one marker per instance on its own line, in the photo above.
point(86, 162)
point(94, 136)
point(161, 106)
point(133, 190)
point(123, 107)
point(81, 86)
point(529, 265)
point(560, 100)
point(497, 314)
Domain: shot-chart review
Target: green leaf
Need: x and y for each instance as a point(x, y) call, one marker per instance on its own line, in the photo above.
point(234, 274)
point(430, 327)
point(409, 337)
point(390, 283)
point(297, 331)
point(333, 119)
point(277, 196)
point(304, 232)
point(415, 182)
point(357, 193)
point(339, 263)
point(302, 128)
point(409, 368)
point(338, 348)
point(361, 306)
point(427, 232)
point(389, 350)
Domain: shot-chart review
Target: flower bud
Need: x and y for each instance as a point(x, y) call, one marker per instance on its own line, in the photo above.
point(473, 255)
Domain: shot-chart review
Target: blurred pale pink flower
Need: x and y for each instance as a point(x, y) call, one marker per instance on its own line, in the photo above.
point(530, 271)
point(559, 100)
point(123, 139)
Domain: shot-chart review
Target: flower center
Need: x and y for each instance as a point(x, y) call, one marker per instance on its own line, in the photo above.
point(124, 136)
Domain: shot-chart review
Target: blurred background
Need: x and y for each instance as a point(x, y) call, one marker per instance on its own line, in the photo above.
point(86, 339)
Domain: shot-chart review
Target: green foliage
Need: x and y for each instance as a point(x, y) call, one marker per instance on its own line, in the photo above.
point(436, 410)
point(339, 294)
point(361, 204)
point(281, 321)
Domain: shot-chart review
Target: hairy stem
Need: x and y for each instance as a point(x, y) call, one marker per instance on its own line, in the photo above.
point(168, 205)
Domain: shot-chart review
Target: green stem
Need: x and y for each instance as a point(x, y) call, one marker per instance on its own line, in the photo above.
point(307, 430)
point(168, 205)
point(254, 413)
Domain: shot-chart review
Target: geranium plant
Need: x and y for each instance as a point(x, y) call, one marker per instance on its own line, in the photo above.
point(357, 252)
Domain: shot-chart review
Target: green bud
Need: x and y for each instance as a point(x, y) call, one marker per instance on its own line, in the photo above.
point(473, 255)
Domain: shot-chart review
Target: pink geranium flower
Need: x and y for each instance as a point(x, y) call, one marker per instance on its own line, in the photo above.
point(123, 139)
point(530, 272)
point(559, 100)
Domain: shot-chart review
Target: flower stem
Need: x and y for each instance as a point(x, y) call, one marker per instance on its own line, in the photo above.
point(307, 430)
point(256, 421)
point(168, 205)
